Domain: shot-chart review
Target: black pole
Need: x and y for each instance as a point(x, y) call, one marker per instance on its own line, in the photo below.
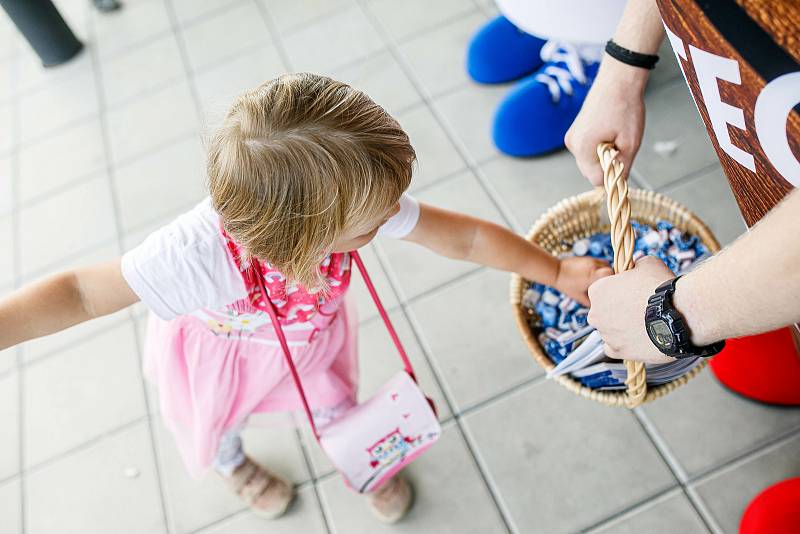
point(44, 28)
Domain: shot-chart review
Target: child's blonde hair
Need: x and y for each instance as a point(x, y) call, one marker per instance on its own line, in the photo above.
point(298, 161)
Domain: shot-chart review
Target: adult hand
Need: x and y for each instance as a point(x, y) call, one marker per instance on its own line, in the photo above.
point(618, 306)
point(613, 112)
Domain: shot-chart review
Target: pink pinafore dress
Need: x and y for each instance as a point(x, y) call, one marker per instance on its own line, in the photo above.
point(214, 368)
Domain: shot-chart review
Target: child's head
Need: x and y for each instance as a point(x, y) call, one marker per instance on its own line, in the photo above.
point(303, 166)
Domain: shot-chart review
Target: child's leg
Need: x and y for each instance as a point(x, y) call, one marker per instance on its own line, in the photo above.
point(267, 494)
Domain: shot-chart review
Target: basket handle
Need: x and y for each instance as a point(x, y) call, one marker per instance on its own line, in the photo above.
point(622, 240)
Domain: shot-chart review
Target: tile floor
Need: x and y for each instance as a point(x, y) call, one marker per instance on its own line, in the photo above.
point(97, 153)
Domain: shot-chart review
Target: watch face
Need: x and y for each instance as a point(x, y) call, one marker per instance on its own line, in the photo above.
point(661, 334)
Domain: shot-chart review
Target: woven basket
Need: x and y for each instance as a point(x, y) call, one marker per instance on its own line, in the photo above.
point(579, 217)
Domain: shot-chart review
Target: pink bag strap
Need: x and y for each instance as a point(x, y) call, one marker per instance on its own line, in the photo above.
point(269, 307)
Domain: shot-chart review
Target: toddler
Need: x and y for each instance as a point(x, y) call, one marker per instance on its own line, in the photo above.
point(303, 170)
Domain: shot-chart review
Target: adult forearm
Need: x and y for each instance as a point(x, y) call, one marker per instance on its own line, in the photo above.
point(640, 27)
point(753, 286)
point(41, 308)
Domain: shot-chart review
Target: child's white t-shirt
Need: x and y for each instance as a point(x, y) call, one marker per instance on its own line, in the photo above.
point(185, 265)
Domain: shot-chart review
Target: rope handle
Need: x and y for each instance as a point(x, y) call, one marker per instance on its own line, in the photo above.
point(623, 241)
point(265, 304)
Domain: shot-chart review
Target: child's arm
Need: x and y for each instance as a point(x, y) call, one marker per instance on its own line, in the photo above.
point(63, 300)
point(463, 237)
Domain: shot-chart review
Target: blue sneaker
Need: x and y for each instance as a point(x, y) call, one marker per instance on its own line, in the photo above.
point(534, 117)
point(500, 52)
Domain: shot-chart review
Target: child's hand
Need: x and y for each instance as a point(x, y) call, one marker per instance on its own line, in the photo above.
point(575, 275)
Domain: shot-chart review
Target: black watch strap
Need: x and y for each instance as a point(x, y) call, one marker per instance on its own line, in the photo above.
point(659, 305)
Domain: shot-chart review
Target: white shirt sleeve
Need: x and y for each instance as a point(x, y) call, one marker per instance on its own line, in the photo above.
point(184, 266)
point(404, 221)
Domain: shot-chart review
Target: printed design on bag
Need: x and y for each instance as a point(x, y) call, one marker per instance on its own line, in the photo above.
point(390, 449)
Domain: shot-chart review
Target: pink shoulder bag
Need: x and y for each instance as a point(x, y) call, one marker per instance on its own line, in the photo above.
point(377, 438)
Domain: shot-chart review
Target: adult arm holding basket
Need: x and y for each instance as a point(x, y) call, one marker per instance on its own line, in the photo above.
point(752, 286)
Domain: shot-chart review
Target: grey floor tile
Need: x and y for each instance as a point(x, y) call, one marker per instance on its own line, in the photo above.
point(6, 184)
point(672, 117)
point(152, 121)
point(52, 107)
point(8, 357)
point(11, 506)
point(7, 75)
point(667, 69)
point(436, 155)
point(668, 514)
point(469, 330)
point(366, 307)
point(710, 197)
point(438, 57)
point(32, 75)
point(728, 493)
point(61, 341)
point(418, 269)
point(402, 20)
point(327, 44)
point(137, 23)
point(86, 221)
point(6, 251)
point(8, 125)
point(450, 496)
point(383, 80)
point(53, 162)
point(139, 70)
point(223, 35)
point(136, 237)
point(189, 11)
point(9, 420)
point(529, 187)
point(564, 452)
point(218, 86)
point(91, 492)
point(289, 15)
point(176, 171)
point(379, 360)
point(709, 431)
point(469, 112)
point(83, 392)
point(194, 503)
point(303, 516)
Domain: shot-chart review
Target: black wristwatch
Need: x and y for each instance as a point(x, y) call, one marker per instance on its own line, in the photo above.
point(667, 328)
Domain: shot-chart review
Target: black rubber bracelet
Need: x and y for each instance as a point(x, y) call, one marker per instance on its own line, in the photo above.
point(629, 57)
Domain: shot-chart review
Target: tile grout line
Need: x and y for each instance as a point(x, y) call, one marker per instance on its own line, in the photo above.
point(16, 236)
point(745, 457)
point(633, 509)
point(277, 40)
point(115, 203)
point(83, 446)
point(188, 69)
point(313, 477)
point(674, 466)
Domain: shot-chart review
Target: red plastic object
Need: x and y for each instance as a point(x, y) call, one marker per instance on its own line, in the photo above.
point(776, 510)
point(764, 368)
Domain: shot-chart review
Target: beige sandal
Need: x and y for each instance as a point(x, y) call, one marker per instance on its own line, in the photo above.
point(268, 495)
point(393, 500)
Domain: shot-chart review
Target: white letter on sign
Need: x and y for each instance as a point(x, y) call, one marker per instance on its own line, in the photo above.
point(772, 110)
point(710, 68)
